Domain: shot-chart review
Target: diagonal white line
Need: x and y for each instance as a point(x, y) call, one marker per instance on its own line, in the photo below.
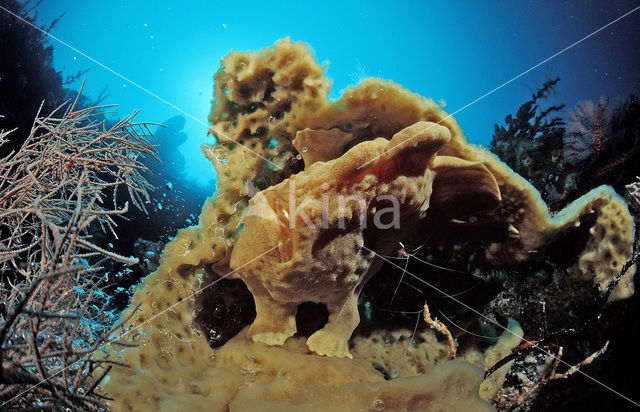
point(506, 83)
point(140, 325)
point(218, 132)
point(498, 325)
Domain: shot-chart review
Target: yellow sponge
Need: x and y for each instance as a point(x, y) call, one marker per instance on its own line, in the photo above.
point(263, 101)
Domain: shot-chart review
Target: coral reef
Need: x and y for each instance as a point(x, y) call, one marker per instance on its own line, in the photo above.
point(531, 143)
point(58, 189)
point(588, 131)
point(271, 112)
point(601, 140)
point(615, 128)
point(600, 145)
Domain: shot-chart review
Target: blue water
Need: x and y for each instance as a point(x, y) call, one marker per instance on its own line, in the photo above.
point(454, 52)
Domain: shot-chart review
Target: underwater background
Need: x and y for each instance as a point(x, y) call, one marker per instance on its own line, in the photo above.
point(451, 52)
point(480, 61)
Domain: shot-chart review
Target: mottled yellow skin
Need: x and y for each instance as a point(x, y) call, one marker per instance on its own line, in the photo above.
point(311, 257)
point(314, 259)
